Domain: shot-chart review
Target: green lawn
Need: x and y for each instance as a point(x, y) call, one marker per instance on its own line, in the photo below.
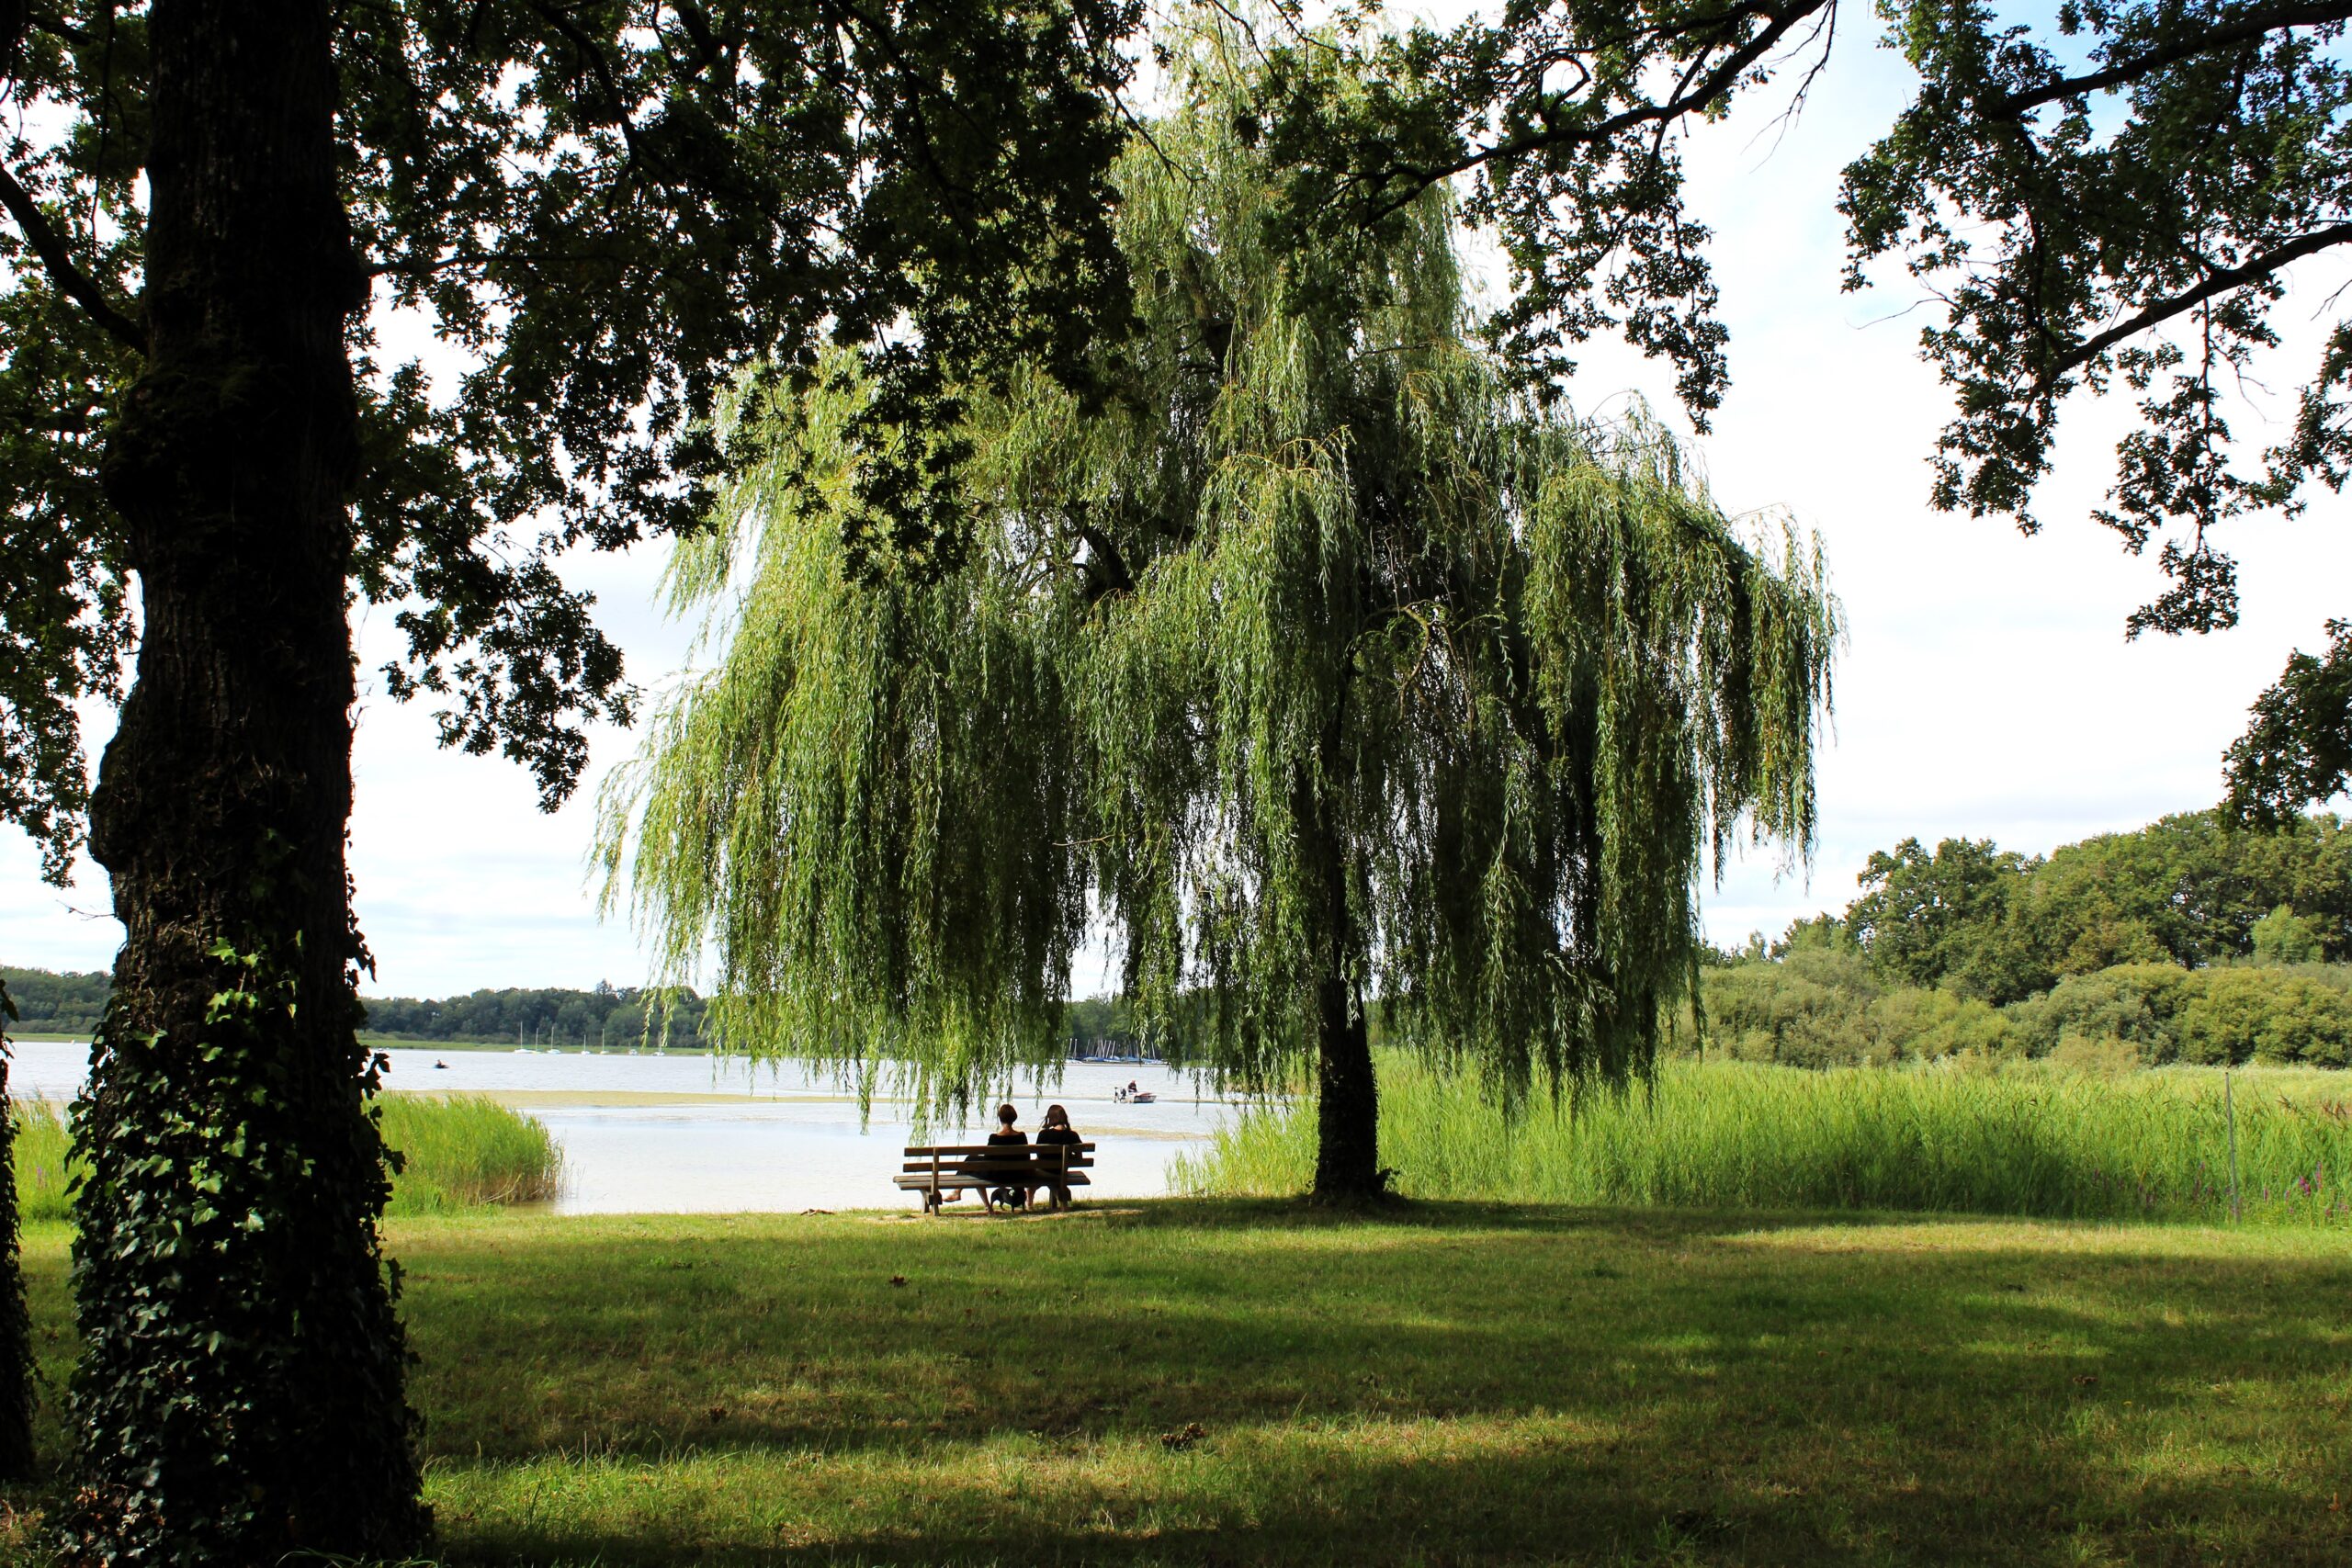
point(1180, 1381)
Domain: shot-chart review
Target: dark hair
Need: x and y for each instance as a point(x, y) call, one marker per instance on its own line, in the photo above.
point(1057, 1117)
point(1006, 1114)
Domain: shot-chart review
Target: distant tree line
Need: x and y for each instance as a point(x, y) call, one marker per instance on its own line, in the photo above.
point(1115, 1026)
point(548, 1016)
point(50, 1003)
point(2184, 941)
point(612, 1016)
point(2185, 890)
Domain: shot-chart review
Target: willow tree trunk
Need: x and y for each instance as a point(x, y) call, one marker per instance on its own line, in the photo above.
point(1347, 1122)
point(240, 1397)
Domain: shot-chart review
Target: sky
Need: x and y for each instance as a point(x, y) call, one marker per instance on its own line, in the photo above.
point(1986, 690)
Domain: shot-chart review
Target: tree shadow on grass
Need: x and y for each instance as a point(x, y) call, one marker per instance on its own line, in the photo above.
point(1241, 1382)
point(1527, 1509)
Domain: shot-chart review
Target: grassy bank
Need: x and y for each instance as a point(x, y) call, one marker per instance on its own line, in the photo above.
point(461, 1151)
point(2026, 1141)
point(1186, 1382)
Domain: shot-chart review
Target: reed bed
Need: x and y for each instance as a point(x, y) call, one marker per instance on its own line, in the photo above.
point(42, 1161)
point(465, 1151)
point(461, 1152)
point(1943, 1138)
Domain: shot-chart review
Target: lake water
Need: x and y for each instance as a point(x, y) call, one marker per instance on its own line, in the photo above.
point(650, 1133)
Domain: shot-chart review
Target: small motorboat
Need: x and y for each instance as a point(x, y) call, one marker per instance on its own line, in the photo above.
point(441, 1066)
point(1142, 1096)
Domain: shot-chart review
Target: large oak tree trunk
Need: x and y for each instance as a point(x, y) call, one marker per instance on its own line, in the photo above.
point(241, 1392)
point(16, 1331)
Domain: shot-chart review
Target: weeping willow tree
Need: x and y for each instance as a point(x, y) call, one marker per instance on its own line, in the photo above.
point(1325, 672)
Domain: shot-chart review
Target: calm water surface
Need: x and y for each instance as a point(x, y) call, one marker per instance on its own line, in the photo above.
point(649, 1133)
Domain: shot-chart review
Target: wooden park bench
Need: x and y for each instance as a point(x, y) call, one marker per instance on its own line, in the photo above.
point(940, 1171)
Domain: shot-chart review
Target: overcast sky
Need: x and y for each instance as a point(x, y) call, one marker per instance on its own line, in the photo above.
point(1986, 691)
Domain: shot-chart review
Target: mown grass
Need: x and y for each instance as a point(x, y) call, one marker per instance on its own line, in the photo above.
point(2027, 1140)
point(1186, 1381)
point(460, 1152)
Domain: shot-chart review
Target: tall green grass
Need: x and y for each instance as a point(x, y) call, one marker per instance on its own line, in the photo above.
point(1946, 1138)
point(465, 1151)
point(42, 1172)
point(462, 1152)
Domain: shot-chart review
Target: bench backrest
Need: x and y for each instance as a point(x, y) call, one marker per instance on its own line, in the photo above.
point(999, 1158)
point(1018, 1151)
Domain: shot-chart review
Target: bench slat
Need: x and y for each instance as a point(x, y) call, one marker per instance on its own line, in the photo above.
point(955, 1179)
point(976, 1162)
point(946, 1150)
point(998, 1178)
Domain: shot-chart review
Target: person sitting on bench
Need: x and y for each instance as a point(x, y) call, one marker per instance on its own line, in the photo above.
point(1056, 1130)
point(1007, 1133)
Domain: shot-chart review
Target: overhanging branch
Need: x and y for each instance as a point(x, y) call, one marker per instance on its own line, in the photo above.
point(70, 281)
point(1693, 93)
point(2220, 282)
point(2241, 29)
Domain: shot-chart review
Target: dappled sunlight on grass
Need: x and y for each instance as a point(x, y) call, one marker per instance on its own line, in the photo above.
point(1088, 1495)
point(1884, 1232)
point(1231, 1383)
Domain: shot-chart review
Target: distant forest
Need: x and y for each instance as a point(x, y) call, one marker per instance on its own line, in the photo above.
point(70, 1004)
point(56, 1004)
point(2181, 941)
point(608, 1016)
point(551, 1016)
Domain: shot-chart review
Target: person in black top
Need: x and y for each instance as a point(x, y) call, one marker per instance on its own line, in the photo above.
point(1007, 1133)
point(1056, 1130)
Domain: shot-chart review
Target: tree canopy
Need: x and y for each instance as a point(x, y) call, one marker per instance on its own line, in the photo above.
point(1323, 665)
point(2298, 747)
point(609, 209)
point(2110, 199)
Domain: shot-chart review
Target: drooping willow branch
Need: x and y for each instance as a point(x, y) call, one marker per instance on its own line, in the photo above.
point(1379, 680)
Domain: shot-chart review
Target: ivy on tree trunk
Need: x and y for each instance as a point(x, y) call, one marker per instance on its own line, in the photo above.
point(240, 1395)
point(16, 1330)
